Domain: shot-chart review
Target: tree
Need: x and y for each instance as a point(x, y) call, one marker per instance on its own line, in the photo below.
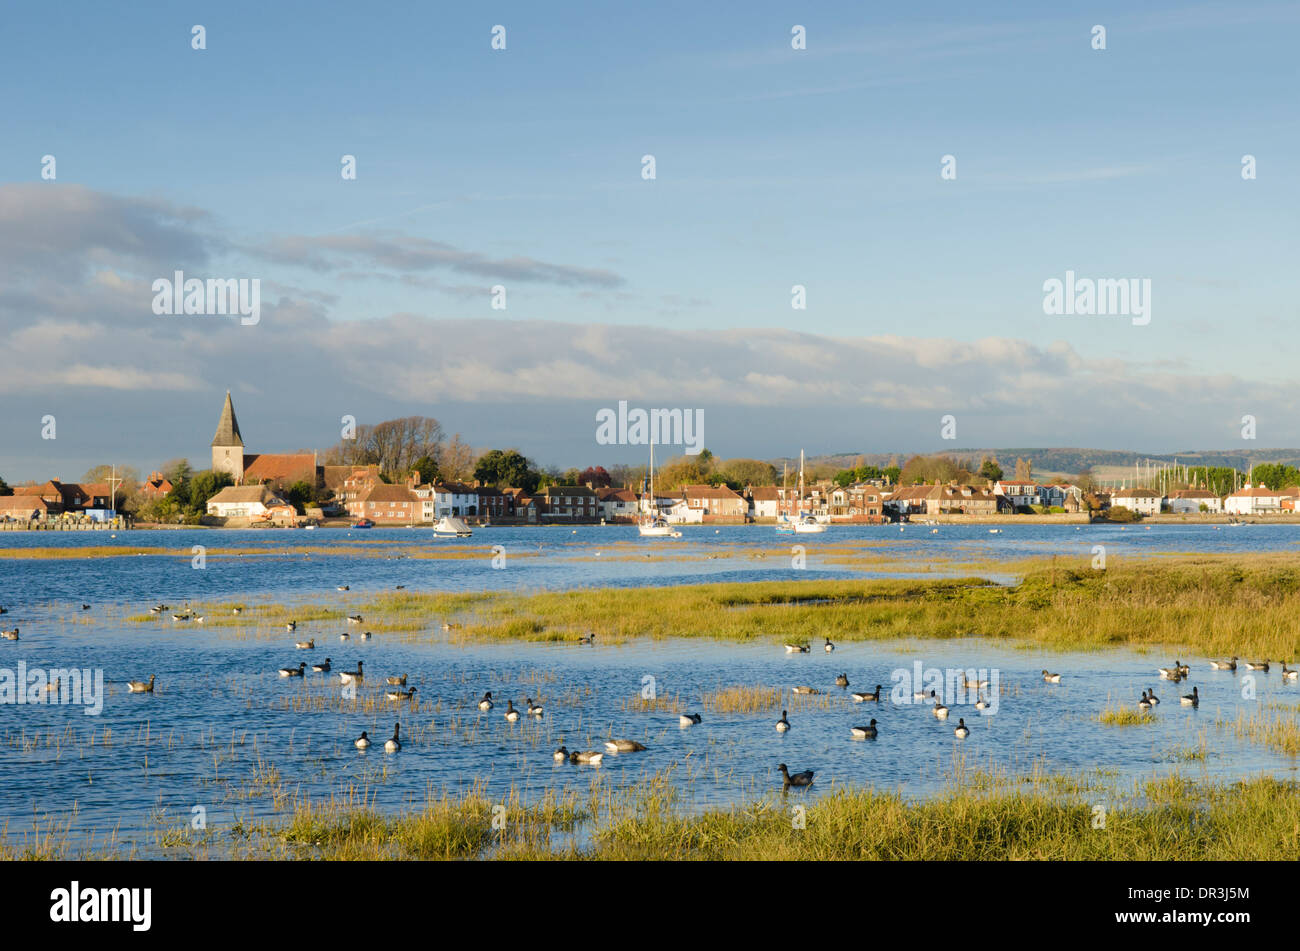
point(1024, 470)
point(595, 476)
point(426, 469)
point(683, 470)
point(893, 473)
point(506, 468)
point(300, 495)
point(456, 461)
point(394, 445)
point(990, 470)
point(1275, 475)
point(747, 472)
point(176, 470)
point(927, 469)
point(4, 487)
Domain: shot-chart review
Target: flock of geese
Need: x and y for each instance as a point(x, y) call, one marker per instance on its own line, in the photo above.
point(1177, 673)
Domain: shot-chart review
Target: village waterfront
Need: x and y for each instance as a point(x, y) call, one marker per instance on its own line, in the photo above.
point(225, 757)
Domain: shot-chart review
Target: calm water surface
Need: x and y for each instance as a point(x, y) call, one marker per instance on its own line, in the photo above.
point(221, 718)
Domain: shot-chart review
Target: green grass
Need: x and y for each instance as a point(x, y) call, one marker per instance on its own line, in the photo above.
point(1235, 604)
point(986, 819)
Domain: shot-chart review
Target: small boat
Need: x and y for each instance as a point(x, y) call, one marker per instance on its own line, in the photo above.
point(363, 523)
point(653, 524)
point(451, 527)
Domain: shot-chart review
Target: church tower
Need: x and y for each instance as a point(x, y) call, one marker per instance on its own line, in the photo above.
point(227, 444)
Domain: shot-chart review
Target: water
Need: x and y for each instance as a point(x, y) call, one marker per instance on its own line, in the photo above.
point(173, 750)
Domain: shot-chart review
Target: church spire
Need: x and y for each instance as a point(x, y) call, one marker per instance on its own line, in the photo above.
point(228, 427)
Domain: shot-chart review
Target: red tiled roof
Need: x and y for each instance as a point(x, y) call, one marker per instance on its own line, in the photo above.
point(280, 467)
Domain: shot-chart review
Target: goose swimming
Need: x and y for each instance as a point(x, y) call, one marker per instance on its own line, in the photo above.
point(796, 648)
point(782, 724)
point(1289, 674)
point(394, 744)
point(511, 713)
point(867, 732)
point(323, 667)
point(1144, 703)
point(828, 646)
point(804, 690)
point(348, 676)
point(140, 686)
point(962, 730)
point(401, 694)
point(561, 754)
point(534, 709)
point(624, 746)
point(590, 757)
point(689, 719)
point(798, 779)
point(362, 741)
point(486, 702)
point(1051, 678)
point(1257, 665)
point(940, 711)
point(305, 645)
point(861, 696)
point(293, 671)
point(10, 635)
point(355, 619)
point(589, 639)
point(1192, 699)
point(397, 681)
point(1224, 664)
point(842, 680)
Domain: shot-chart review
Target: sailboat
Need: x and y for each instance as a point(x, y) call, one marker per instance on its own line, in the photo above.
point(654, 525)
point(801, 523)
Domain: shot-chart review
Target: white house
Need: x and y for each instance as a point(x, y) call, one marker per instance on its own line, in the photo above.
point(1189, 501)
point(1142, 501)
point(1254, 500)
point(621, 504)
point(764, 501)
point(246, 501)
point(1019, 492)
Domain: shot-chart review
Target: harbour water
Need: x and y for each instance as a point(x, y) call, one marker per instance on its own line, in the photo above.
point(224, 732)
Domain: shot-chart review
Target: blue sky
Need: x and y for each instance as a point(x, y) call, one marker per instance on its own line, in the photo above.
point(774, 167)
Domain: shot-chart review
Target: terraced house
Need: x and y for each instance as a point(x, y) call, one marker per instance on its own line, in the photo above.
point(716, 502)
point(861, 501)
point(388, 504)
point(570, 503)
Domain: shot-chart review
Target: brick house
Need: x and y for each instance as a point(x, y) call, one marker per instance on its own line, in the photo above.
point(715, 502)
point(570, 503)
point(388, 504)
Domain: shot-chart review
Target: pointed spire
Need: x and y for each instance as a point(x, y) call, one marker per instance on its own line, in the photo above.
point(228, 427)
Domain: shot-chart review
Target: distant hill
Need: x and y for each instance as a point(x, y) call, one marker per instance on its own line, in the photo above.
point(1050, 462)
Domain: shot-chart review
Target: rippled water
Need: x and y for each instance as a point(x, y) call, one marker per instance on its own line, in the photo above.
point(173, 750)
